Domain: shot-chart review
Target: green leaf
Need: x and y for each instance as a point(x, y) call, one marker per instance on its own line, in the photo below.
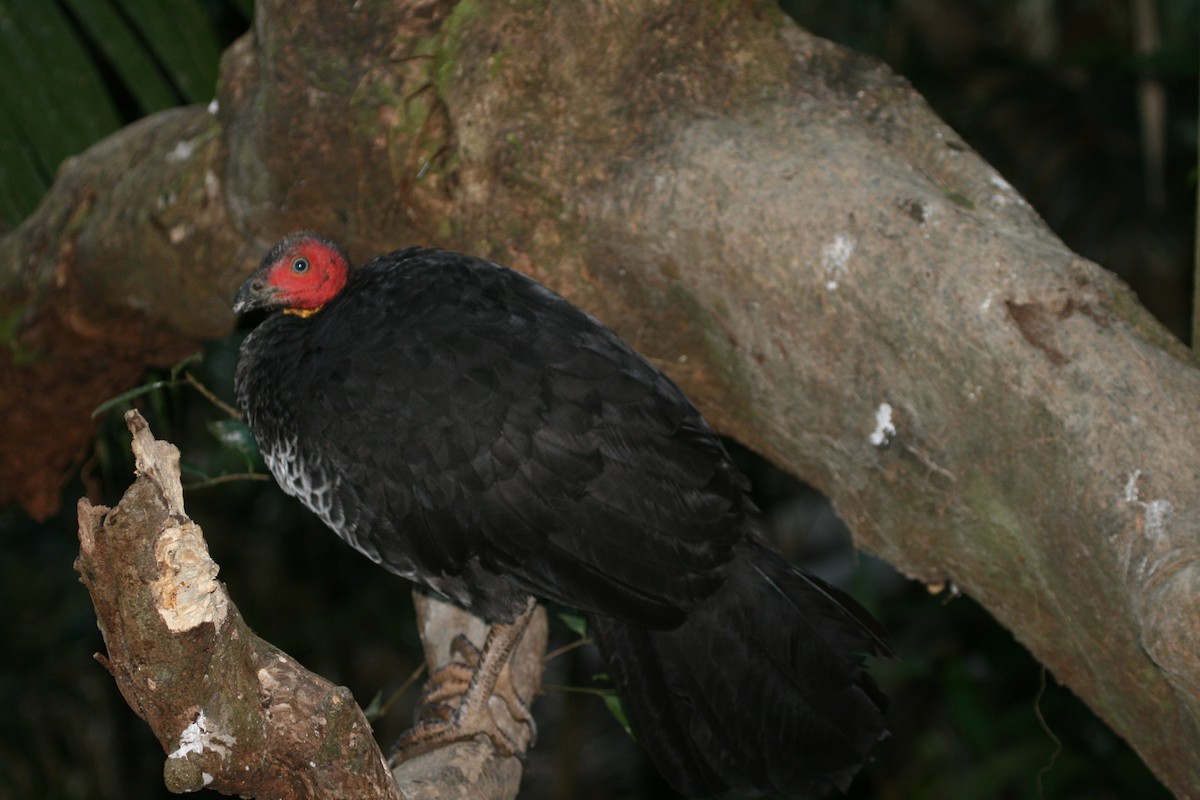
point(374, 708)
point(608, 694)
point(112, 35)
point(187, 361)
point(575, 622)
point(183, 41)
point(23, 183)
point(49, 87)
point(234, 435)
point(145, 388)
point(613, 703)
point(65, 65)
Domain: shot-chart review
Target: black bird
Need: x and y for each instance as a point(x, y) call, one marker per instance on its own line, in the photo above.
point(470, 430)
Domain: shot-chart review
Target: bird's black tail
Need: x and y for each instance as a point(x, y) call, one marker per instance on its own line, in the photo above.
point(762, 689)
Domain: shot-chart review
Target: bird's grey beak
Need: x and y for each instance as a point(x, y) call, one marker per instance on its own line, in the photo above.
point(255, 293)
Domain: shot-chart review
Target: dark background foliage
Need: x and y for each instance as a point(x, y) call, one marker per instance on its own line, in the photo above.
point(1048, 92)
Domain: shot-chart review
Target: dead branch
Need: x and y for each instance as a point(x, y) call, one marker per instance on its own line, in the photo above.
point(233, 712)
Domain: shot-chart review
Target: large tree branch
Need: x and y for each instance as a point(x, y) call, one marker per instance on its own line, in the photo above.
point(835, 277)
point(233, 712)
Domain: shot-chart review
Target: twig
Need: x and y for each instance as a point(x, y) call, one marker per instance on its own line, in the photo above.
point(240, 476)
point(211, 397)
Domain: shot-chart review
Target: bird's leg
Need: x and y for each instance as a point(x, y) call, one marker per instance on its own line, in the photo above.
point(484, 674)
point(452, 679)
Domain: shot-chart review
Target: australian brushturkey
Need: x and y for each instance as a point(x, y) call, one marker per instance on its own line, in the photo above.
point(469, 429)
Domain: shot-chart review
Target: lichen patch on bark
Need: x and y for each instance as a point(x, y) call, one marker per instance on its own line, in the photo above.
point(187, 592)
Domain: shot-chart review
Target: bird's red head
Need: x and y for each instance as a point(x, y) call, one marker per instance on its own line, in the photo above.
point(301, 274)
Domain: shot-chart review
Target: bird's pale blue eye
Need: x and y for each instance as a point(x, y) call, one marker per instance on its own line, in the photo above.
point(300, 266)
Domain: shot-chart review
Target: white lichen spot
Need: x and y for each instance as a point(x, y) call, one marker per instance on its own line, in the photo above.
point(212, 185)
point(1131, 489)
point(205, 778)
point(269, 684)
point(885, 429)
point(181, 151)
point(1007, 193)
point(986, 304)
point(835, 260)
point(214, 106)
point(1156, 513)
point(199, 736)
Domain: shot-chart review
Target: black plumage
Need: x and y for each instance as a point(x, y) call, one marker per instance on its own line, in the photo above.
point(469, 429)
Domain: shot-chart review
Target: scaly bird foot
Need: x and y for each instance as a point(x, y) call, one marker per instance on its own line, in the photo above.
point(451, 681)
point(455, 704)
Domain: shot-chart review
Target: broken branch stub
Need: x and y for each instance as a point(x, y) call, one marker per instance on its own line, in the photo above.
point(232, 712)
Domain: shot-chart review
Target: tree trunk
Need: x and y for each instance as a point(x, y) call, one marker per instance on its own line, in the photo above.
point(826, 268)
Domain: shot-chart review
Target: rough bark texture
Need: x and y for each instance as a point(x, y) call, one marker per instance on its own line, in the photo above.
point(783, 224)
point(232, 712)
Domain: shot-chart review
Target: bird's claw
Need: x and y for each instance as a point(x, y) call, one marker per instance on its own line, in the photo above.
point(452, 726)
point(448, 713)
